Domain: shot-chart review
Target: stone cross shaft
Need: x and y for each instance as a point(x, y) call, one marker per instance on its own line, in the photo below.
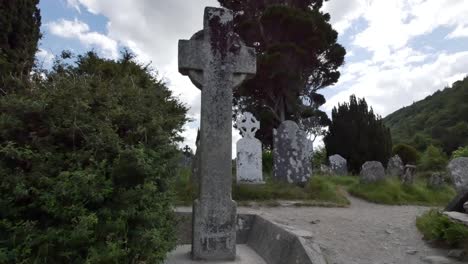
point(216, 60)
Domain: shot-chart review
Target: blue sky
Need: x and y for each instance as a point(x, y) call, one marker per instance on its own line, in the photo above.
point(399, 51)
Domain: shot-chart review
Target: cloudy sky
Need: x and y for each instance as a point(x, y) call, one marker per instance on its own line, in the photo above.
point(398, 51)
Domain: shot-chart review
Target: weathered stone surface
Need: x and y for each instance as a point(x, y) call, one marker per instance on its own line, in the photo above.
point(458, 254)
point(436, 260)
point(458, 169)
point(338, 164)
point(216, 60)
point(458, 217)
point(436, 180)
point(372, 171)
point(465, 206)
point(395, 166)
point(457, 203)
point(291, 154)
point(249, 151)
point(408, 176)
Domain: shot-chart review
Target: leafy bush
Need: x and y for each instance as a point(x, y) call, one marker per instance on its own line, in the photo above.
point(436, 226)
point(407, 153)
point(433, 159)
point(460, 152)
point(86, 156)
point(319, 157)
point(392, 191)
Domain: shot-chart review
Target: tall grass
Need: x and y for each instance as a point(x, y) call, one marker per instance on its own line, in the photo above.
point(392, 191)
point(436, 226)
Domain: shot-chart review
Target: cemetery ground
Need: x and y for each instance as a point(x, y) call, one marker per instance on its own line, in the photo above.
point(326, 191)
point(352, 221)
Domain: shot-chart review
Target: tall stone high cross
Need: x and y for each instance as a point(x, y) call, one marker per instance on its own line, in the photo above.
point(216, 60)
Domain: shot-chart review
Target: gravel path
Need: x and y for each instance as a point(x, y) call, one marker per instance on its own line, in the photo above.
point(364, 233)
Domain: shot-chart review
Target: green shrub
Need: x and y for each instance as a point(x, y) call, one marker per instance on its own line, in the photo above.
point(86, 158)
point(392, 191)
point(436, 226)
point(319, 157)
point(433, 159)
point(407, 153)
point(460, 152)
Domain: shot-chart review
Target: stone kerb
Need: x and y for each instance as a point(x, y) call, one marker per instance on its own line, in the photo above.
point(249, 151)
point(291, 154)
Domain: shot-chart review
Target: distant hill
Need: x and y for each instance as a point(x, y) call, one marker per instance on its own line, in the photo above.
point(440, 119)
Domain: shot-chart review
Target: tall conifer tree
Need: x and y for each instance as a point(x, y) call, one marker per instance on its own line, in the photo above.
point(20, 22)
point(358, 135)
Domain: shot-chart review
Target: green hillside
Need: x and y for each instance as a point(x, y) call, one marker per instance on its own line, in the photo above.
point(440, 119)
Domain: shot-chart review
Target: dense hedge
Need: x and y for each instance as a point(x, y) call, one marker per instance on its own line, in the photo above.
point(86, 156)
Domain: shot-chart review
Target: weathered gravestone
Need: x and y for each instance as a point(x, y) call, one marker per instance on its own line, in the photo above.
point(338, 164)
point(408, 176)
point(458, 169)
point(372, 171)
point(249, 151)
point(291, 154)
point(436, 180)
point(216, 60)
point(395, 166)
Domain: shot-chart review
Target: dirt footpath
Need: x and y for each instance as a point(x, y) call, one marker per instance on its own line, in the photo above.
point(364, 233)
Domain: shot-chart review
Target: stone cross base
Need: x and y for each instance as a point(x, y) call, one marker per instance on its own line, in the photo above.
point(215, 235)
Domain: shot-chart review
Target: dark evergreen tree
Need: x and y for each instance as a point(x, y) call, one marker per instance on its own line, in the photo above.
point(297, 56)
point(358, 135)
point(20, 22)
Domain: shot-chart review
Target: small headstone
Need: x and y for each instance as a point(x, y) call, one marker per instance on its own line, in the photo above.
point(338, 164)
point(395, 166)
point(436, 180)
point(249, 151)
point(291, 154)
point(408, 176)
point(458, 169)
point(324, 169)
point(216, 60)
point(372, 171)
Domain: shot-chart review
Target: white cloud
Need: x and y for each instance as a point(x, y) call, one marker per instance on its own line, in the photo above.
point(401, 84)
point(45, 58)
point(459, 32)
point(344, 12)
point(79, 30)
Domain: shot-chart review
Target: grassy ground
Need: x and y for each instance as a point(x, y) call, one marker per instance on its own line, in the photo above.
point(391, 191)
point(437, 227)
point(325, 190)
point(320, 191)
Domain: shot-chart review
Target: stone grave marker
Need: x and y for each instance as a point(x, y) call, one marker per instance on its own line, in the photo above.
point(249, 151)
point(458, 170)
point(408, 176)
point(395, 166)
point(216, 60)
point(372, 171)
point(338, 165)
point(291, 154)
